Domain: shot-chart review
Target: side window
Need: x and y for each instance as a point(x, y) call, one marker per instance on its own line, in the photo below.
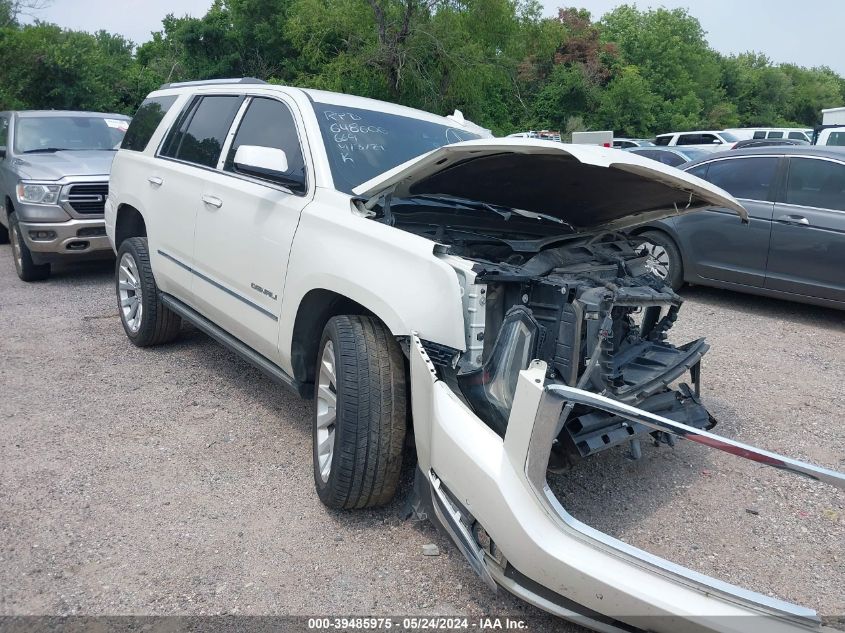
point(199, 134)
point(269, 123)
point(836, 138)
point(775, 135)
point(759, 134)
point(798, 136)
point(688, 139)
point(4, 131)
point(145, 122)
point(749, 178)
point(699, 170)
point(709, 139)
point(663, 140)
point(816, 183)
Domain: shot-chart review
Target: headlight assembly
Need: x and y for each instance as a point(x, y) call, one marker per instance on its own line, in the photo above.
point(37, 193)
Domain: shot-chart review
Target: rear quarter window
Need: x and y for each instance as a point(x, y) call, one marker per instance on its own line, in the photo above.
point(146, 121)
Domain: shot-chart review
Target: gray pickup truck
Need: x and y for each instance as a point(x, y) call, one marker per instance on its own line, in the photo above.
point(54, 172)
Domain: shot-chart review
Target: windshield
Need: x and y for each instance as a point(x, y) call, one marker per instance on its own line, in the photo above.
point(727, 136)
point(362, 144)
point(56, 133)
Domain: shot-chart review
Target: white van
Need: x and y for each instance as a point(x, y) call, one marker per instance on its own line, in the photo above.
point(795, 133)
point(832, 136)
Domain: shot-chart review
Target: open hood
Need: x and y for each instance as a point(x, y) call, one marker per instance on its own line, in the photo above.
point(587, 186)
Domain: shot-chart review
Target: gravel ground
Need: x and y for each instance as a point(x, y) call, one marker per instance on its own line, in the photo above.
point(178, 480)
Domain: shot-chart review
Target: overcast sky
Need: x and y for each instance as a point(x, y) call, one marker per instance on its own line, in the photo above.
point(807, 33)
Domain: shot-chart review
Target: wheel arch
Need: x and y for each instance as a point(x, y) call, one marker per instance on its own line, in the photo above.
point(129, 222)
point(314, 311)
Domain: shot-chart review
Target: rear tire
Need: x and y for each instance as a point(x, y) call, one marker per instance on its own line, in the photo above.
point(360, 415)
point(146, 320)
point(27, 269)
point(668, 263)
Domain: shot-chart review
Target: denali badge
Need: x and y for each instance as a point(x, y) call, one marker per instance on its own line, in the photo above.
point(269, 293)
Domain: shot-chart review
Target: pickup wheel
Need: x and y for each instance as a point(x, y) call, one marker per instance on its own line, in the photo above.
point(145, 319)
point(668, 264)
point(27, 270)
point(360, 414)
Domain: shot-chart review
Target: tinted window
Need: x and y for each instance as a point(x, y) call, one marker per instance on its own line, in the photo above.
point(749, 178)
point(797, 136)
point(145, 122)
point(759, 134)
point(816, 183)
point(56, 133)
point(362, 143)
point(199, 135)
point(663, 140)
point(836, 138)
point(269, 123)
point(775, 135)
point(690, 139)
point(4, 131)
point(667, 158)
point(700, 171)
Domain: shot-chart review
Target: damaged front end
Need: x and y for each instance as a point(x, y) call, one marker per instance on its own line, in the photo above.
point(566, 355)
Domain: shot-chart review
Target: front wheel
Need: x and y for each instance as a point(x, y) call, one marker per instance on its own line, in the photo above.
point(27, 269)
point(665, 258)
point(360, 414)
point(146, 320)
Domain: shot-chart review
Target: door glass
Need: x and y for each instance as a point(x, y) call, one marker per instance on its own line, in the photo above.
point(199, 138)
point(689, 139)
point(269, 123)
point(145, 122)
point(749, 178)
point(816, 183)
point(4, 132)
point(836, 138)
point(775, 134)
point(663, 140)
point(709, 139)
point(759, 134)
point(798, 136)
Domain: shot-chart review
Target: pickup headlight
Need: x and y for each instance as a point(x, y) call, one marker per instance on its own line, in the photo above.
point(37, 193)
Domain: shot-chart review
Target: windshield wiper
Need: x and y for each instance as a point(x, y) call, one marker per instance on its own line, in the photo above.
point(44, 150)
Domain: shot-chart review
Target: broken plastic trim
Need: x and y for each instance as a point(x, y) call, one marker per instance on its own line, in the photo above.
point(552, 401)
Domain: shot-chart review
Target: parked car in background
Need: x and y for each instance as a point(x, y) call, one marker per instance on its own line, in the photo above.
point(831, 137)
point(671, 156)
point(794, 133)
point(625, 143)
point(768, 142)
point(794, 245)
point(54, 171)
point(706, 138)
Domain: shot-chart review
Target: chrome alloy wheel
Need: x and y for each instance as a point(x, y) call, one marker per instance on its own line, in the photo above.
point(17, 252)
point(658, 262)
point(326, 411)
point(129, 293)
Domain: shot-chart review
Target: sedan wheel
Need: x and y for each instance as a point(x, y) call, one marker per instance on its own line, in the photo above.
point(659, 262)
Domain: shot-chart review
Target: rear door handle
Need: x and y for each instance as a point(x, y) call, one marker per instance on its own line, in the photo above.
point(212, 201)
point(794, 219)
point(155, 181)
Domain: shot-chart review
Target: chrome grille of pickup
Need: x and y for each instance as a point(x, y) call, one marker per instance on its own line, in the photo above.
point(88, 198)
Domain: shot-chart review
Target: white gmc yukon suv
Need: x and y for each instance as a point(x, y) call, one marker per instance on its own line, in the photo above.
point(468, 299)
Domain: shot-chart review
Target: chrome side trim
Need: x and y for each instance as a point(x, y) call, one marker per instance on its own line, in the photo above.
point(551, 404)
point(218, 285)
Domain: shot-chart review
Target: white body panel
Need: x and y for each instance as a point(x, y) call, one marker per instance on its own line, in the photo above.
point(833, 116)
point(601, 138)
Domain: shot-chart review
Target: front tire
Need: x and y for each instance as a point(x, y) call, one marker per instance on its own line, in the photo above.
point(146, 320)
point(667, 263)
point(360, 415)
point(27, 269)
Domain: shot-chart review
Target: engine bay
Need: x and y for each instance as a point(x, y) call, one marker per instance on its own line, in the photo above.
point(589, 305)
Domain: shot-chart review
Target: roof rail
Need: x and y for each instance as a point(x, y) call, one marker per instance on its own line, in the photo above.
point(213, 82)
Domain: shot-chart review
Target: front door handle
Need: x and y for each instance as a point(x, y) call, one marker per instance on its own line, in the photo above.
point(212, 201)
point(155, 181)
point(794, 219)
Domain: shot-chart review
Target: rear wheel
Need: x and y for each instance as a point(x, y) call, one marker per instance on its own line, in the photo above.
point(359, 413)
point(146, 320)
point(27, 269)
point(666, 260)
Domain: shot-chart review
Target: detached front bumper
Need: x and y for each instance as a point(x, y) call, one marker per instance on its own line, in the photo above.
point(491, 496)
point(72, 238)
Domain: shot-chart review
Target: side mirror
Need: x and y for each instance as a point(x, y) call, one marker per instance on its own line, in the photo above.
point(268, 163)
